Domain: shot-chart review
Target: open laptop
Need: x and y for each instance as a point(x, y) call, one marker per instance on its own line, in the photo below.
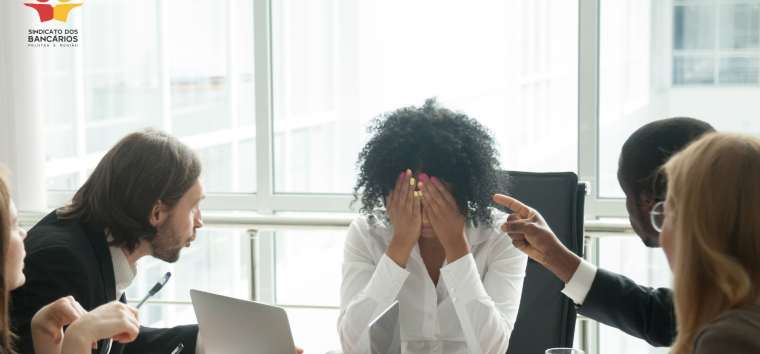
point(385, 332)
point(234, 326)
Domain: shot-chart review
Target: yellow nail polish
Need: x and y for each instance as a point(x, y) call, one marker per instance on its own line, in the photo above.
point(420, 193)
point(415, 193)
point(411, 181)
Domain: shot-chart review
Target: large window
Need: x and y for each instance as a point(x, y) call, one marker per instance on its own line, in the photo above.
point(510, 64)
point(716, 42)
point(662, 59)
point(185, 67)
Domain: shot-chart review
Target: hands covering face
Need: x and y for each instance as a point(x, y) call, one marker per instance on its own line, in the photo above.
point(440, 207)
point(406, 207)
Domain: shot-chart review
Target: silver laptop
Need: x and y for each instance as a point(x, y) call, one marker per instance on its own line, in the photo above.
point(234, 326)
point(385, 332)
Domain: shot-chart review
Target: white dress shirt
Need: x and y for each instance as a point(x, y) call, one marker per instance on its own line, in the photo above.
point(471, 310)
point(124, 273)
point(579, 285)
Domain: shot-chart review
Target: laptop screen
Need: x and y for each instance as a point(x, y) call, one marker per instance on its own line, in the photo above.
point(385, 332)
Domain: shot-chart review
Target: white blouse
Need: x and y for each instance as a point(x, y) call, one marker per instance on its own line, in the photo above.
point(472, 310)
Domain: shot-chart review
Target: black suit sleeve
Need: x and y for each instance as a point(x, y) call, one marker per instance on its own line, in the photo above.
point(640, 311)
point(163, 340)
point(51, 273)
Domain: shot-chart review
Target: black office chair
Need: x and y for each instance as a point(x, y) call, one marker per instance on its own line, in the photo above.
point(546, 318)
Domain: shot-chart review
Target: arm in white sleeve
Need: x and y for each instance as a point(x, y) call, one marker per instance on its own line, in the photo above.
point(366, 291)
point(487, 310)
point(579, 285)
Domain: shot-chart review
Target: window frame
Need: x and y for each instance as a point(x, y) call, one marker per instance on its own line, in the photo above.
point(718, 52)
point(265, 201)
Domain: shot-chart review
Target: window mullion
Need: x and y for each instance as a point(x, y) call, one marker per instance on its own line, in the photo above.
point(262, 255)
point(588, 124)
point(233, 77)
point(164, 75)
point(588, 86)
point(263, 88)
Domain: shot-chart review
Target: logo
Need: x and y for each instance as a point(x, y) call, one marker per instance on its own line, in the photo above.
point(47, 12)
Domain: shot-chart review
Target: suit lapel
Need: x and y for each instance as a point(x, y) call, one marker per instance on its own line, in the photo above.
point(100, 245)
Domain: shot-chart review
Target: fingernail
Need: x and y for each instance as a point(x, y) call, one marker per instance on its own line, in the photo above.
point(411, 181)
point(420, 193)
point(400, 176)
point(415, 193)
point(420, 185)
point(435, 180)
point(423, 177)
point(408, 172)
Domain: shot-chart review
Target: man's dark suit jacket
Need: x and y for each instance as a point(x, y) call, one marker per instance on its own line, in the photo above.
point(64, 257)
point(640, 311)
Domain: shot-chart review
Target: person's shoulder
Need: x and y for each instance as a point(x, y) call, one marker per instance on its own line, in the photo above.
point(361, 223)
point(367, 225)
point(54, 232)
point(732, 331)
point(747, 316)
point(491, 231)
point(490, 234)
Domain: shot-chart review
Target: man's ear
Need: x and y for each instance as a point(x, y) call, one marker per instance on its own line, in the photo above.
point(646, 202)
point(156, 214)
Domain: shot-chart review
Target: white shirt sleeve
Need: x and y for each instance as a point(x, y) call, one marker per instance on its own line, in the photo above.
point(579, 285)
point(366, 291)
point(487, 310)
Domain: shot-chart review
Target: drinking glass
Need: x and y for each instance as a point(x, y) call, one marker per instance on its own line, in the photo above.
point(564, 351)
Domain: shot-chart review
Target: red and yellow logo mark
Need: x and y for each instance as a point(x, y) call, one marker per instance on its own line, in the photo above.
point(47, 12)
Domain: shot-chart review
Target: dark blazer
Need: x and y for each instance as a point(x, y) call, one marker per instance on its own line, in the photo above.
point(640, 311)
point(64, 257)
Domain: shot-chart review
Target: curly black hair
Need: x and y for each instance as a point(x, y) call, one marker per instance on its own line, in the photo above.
point(436, 141)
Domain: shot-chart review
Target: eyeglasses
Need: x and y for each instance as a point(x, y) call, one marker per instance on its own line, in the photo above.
point(657, 216)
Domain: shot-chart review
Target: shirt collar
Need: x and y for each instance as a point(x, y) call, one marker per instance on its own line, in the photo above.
point(123, 272)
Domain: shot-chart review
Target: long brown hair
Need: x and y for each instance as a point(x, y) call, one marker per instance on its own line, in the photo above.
point(6, 336)
point(141, 169)
point(714, 198)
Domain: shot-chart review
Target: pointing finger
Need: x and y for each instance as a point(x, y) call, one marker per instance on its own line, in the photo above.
point(520, 209)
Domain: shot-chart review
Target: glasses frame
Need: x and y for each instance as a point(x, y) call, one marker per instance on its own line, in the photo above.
point(654, 213)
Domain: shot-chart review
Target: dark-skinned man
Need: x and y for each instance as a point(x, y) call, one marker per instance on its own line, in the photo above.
point(604, 296)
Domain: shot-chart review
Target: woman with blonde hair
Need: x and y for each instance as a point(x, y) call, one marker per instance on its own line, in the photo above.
point(710, 232)
point(113, 320)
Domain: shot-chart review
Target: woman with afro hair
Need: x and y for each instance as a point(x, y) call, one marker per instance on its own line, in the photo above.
point(429, 238)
